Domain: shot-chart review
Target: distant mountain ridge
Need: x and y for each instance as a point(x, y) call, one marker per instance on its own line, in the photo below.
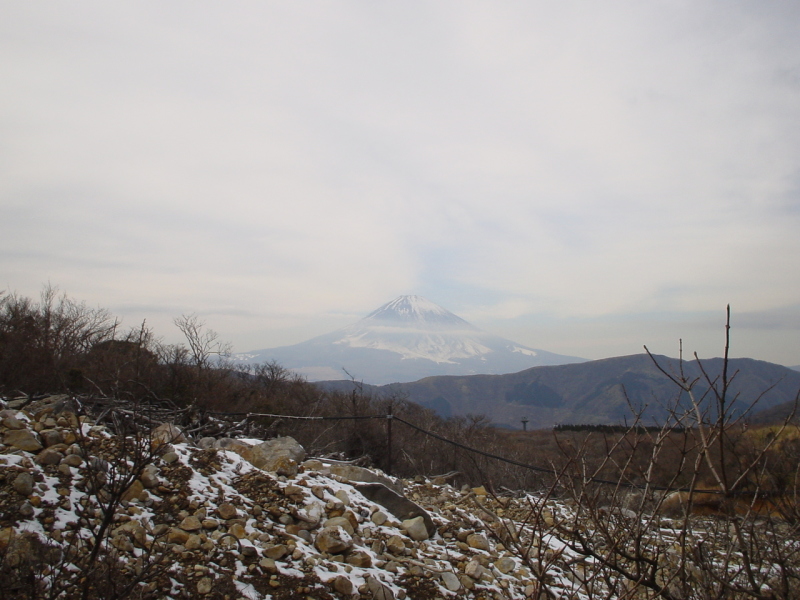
point(594, 392)
point(404, 340)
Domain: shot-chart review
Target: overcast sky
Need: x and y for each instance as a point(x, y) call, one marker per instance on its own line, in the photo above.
point(581, 177)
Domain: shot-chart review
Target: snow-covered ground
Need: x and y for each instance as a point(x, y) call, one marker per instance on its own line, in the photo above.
point(202, 521)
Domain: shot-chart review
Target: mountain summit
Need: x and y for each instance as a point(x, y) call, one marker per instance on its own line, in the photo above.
point(405, 340)
point(414, 327)
point(416, 309)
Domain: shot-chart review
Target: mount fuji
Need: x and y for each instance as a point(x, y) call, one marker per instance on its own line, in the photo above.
point(405, 340)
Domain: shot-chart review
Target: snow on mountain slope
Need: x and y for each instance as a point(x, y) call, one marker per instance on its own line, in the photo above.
point(414, 327)
point(416, 309)
point(404, 340)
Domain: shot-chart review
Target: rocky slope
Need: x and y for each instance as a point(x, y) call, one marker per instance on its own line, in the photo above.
point(229, 519)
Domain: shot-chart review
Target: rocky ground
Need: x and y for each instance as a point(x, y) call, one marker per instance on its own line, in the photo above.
point(229, 519)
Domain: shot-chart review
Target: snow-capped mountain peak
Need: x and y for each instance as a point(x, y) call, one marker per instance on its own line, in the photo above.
point(407, 338)
point(416, 311)
point(415, 327)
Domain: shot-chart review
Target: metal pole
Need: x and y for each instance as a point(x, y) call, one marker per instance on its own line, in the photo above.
point(389, 418)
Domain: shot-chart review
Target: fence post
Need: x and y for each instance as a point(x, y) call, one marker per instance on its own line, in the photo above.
point(389, 419)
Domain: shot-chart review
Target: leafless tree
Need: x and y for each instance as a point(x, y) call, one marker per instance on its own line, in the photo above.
point(203, 343)
point(686, 511)
point(41, 343)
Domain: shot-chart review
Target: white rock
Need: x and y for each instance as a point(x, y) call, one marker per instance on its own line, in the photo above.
point(416, 529)
point(451, 581)
point(474, 569)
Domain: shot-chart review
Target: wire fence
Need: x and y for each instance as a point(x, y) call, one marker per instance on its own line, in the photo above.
point(549, 471)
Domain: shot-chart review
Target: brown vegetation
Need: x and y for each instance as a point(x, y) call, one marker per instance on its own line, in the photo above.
point(641, 499)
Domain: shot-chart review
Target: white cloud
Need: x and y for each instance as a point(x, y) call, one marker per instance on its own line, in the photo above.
point(291, 164)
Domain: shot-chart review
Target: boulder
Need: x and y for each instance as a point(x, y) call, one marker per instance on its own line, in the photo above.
point(22, 439)
point(134, 491)
point(17, 403)
point(134, 530)
point(51, 437)
point(68, 407)
point(342, 522)
point(359, 474)
point(23, 483)
point(169, 457)
point(378, 590)
point(294, 492)
point(399, 506)
point(451, 581)
point(275, 454)
point(206, 443)
point(333, 540)
point(276, 552)
point(478, 541)
point(73, 460)
point(149, 476)
point(191, 523)
point(395, 545)
point(167, 433)
point(238, 531)
point(312, 464)
point(231, 444)
point(378, 517)
point(505, 564)
point(359, 559)
point(268, 564)
point(343, 585)
point(285, 466)
point(227, 511)
point(13, 423)
point(204, 586)
point(49, 457)
point(474, 569)
point(416, 529)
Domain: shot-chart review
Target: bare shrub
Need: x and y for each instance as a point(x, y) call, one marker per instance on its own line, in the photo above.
point(700, 508)
point(87, 561)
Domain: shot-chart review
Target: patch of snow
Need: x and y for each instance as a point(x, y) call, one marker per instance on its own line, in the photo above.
point(525, 351)
point(250, 441)
point(439, 347)
point(11, 459)
point(415, 306)
point(289, 571)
